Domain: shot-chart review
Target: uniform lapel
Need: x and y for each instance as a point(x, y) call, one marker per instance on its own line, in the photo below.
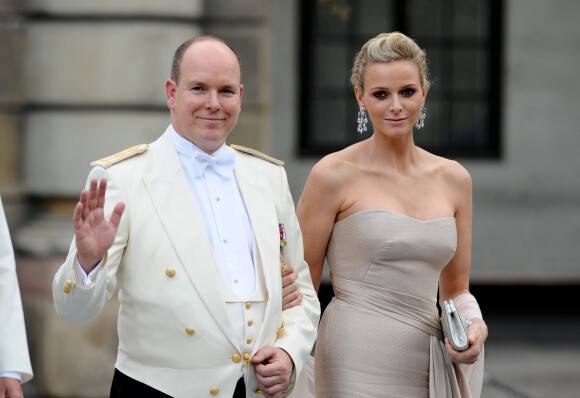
point(176, 208)
point(262, 212)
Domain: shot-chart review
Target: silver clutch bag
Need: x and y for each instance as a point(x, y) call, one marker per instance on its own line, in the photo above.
point(454, 326)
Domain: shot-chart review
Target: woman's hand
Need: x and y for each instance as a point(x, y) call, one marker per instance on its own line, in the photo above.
point(477, 334)
point(291, 295)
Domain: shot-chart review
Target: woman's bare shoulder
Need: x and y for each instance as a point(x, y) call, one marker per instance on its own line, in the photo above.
point(333, 169)
point(450, 170)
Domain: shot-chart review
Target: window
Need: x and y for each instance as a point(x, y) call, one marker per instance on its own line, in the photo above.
point(462, 39)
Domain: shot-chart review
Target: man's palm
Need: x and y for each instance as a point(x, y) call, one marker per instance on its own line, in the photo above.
point(94, 234)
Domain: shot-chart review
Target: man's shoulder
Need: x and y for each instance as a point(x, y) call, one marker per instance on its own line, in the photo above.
point(118, 157)
point(257, 154)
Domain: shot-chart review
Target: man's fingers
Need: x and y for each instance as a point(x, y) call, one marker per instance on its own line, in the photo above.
point(115, 219)
point(78, 216)
point(101, 193)
point(83, 199)
point(92, 198)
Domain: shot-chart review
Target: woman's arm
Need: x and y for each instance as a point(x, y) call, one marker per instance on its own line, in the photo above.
point(454, 279)
point(317, 209)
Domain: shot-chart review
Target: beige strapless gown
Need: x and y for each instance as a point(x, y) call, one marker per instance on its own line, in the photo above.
point(380, 336)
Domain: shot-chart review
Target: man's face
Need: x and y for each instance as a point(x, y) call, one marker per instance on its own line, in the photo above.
point(207, 100)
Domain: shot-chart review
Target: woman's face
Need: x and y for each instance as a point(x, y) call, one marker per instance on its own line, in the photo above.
point(393, 96)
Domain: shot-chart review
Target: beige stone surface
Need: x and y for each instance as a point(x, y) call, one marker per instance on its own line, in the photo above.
point(59, 146)
point(9, 149)
point(182, 8)
point(69, 360)
point(113, 63)
point(254, 9)
point(11, 52)
point(250, 131)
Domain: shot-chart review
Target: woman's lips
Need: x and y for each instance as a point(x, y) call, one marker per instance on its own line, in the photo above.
point(396, 120)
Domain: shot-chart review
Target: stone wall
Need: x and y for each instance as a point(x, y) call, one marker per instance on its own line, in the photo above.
point(80, 80)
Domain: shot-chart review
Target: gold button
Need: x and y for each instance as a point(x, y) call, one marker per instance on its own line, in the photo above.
point(189, 331)
point(249, 340)
point(68, 286)
point(280, 331)
point(257, 391)
point(214, 391)
point(284, 268)
point(248, 305)
point(170, 272)
point(250, 322)
point(237, 358)
point(246, 356)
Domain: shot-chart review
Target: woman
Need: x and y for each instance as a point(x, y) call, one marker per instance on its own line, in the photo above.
point(394, 223)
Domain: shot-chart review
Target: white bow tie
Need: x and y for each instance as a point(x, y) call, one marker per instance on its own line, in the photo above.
point(222, 163)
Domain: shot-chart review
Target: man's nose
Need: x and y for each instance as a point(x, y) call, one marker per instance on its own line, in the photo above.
point(212, 100)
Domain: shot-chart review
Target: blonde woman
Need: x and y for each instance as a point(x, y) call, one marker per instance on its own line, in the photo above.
point(394, 223)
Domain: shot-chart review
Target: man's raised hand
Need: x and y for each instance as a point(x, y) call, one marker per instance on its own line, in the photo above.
point(93, 233)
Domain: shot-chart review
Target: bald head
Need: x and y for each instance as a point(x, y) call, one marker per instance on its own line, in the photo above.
point(181, 50)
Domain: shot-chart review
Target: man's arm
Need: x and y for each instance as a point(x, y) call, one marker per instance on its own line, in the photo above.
point(14, 357)
point(99, 236)
point(300, 323)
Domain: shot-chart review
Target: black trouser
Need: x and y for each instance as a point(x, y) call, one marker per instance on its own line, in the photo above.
point(240, 391)
point(125, 387)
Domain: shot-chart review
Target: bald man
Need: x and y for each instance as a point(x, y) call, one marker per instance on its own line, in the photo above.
point(195, 233)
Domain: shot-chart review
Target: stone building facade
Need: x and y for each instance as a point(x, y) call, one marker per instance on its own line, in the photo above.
point(81, 79)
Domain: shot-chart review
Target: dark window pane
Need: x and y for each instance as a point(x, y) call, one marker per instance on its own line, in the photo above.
point(472, 18)
point(329, 121)
point(462, 41)
point(332, 63)
point(437, 129)
point(374, 17)
point(333, 16)
point(469, 124)
point(427, 18)
point(470, 69)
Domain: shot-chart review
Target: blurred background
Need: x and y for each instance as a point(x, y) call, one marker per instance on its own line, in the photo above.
point(82, 79)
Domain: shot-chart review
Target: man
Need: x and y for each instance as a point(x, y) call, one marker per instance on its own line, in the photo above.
point(14, 359)
point(196, 237)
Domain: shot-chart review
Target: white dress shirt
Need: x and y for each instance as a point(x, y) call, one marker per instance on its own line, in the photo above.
point(224, 217)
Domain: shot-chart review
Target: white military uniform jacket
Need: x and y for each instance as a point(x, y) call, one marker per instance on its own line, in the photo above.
point(174, 330)
point(13, 345)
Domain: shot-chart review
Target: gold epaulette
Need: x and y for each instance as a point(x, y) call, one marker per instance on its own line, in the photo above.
point(258, 154)
point(116, 158)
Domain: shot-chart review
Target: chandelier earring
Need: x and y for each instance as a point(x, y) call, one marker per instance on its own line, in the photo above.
point(362, 120)
point(421, 119)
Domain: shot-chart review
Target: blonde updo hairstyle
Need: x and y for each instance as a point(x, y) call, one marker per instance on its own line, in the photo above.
point(389, 47)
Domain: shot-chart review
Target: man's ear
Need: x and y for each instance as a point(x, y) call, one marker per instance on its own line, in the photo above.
point(170, 89)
